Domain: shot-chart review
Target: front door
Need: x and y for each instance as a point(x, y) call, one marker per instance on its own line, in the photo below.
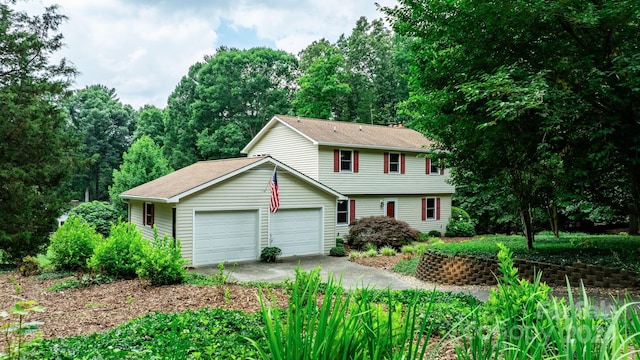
point(390, 208)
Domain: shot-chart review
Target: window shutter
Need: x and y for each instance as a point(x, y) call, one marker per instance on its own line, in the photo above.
point(144, 214)
point(152, 210)
point(424, 209)
point(356, 161)
point(427, 165)
point(437, 208)
point(352, 210)
point(386, 163)
point(336, 160)
point(402, 157)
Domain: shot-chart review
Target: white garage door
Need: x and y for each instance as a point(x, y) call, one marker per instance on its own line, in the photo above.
point(297, 231)
point(225, 236)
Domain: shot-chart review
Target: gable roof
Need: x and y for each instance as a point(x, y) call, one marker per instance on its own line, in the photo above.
point(201, 175)
point(349, 134)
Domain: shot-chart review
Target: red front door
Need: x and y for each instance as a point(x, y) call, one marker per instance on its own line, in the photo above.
point(391, 209)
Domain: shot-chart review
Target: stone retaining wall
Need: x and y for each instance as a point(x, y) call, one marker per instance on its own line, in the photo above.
point(464, 270)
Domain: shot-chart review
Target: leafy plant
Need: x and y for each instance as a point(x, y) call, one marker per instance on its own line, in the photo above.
point(459, 214)
point(162, 261)
point(100, 214)
point(337, 251)
point(387, 251)
point(15, 329)
point(368, 247)
point(356, 254)
point(120, 254)
point(29, 266)
point(380, 231)
point(371, 253)
point(270, 254)
point(457, 228)
point(434, 233)
point(339, 241)
point(408, 249)
point(81, 280)
point(73, 244)
point(407, 267)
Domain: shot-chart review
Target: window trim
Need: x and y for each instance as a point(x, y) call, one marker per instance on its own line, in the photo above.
point(434, 208)
point(148, 214)
point(399, 171)
point(351, 161)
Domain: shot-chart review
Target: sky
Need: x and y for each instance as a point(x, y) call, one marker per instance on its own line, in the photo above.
point(142, 48)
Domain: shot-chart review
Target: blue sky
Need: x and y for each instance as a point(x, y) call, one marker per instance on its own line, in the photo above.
point(142, 48)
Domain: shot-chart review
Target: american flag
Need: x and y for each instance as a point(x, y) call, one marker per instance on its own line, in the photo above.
point(274, 202)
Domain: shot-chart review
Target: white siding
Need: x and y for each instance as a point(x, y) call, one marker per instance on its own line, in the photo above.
point(371, 179)
point(293, 149)
point(162, 219)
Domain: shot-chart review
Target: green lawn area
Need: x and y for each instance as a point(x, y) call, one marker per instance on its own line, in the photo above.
point(618, 251)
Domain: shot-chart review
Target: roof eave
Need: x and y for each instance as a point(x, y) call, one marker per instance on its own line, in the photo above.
point(149, 199)
point(375, 147)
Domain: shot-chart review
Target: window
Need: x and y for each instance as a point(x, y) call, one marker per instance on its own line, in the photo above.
point(394, 163)
point(147, 214)
point(346, 160)
point(434, 167)
point(431, 209)
point(343, 212)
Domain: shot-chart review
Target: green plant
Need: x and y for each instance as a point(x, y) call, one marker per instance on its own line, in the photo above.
point(339, 241)
point(421, 249)
point(408, 249)
point(81, 280)
point(459, 214)
point(387, 251)
point(368, 247)
point(120, 254)
point(14, 328)
point(407, 267)
point(29, 266)
point(434, 233)
point(380, 231)
point(456, 228)
point(101, 215)
point(73, 244)
point(356, 254)
point(371, 253)
point(337, 251)
point(162, 262)
point(270, 254)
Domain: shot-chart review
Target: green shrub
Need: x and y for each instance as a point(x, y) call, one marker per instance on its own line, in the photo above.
point(81, 280)
point(380, 231)
point(459, 228)
point(387, 251)
point(121, 253)
point(100, 214)
point(368, 247)
point(73, 244)
point(270, 254)
point(421, 249)
point(339, 241)
point(371, 253)
point(408, 249)
point(162, 262)
point(407, 267)
point(356, 254)
point(457, 214)
point(434, 233)
point(337, 251)
point(29, 266)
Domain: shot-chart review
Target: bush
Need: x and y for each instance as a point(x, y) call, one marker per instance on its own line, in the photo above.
point(387, 251)
point(408, 249)
point(337, 251)
point(356, 254)
point(339, 241)
point(380, 231)
point(162, 262)
point(73, 244)
point(29, 266)
point(460, 228)
point(458, 214)
point(371, 253)
point(270, 254)
point(434, 233)
point(100, 214)
point(121, 253)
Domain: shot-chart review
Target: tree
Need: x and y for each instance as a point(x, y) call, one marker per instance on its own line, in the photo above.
point(151, 123)
point(529, 87)
point(35, 152)
point(142, 163)
point(104, 126)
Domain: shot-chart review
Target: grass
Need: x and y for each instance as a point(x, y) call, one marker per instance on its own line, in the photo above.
point(406, 266)
point(618, 251)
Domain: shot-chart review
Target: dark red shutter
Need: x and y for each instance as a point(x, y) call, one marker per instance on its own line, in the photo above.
point(386, 163)
point(144, 214)
point(356, 161)
point(424, 209)
point(437, 208)
point(428, 166)
point(352, 210)
point(152, 208)
point(336, 160)
point(402, 157)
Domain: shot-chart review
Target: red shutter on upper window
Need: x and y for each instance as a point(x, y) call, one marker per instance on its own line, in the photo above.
point(437, 208)
point(427, 165)
point(402, 161)
point(352, 210)
point(336, 160)
point(386, 163)
point(144, 214)
point(356, 161)
point(424, 209)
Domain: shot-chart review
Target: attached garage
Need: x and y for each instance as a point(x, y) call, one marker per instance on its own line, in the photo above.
point(225, 237)
point(297, 231)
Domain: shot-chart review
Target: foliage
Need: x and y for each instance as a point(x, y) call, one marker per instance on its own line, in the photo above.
point(36, 155)
point(53, 275)
point(408, 249)
point(142, 163)
point(371, 253)
point(81, 280)
point(380, 231)
point(221, 277)
point(73, 244)
point(121, 253)
point(162, 262)
point(406, 266)
point(14, 328)
point(195, 334)
point(353, 254)
point(270, 254)
point(434, 233)
point(339, 241)
point(29, 266)
point(459, 228)
point(387, 251)
point(100, 214)
point(459, 214)
point(150, 123)
point(337, 251)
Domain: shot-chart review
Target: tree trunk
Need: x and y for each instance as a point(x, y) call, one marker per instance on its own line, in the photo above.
point(633, 222)
point(552, 211)
point(527, 225)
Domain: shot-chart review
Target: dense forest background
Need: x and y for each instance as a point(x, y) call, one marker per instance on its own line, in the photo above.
point(534, 107)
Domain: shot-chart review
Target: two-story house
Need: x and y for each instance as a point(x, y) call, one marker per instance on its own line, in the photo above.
point(382, 170)
point(328, 174)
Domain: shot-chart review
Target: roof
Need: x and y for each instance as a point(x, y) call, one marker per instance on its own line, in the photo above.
point(201, 175)
point(349, 134)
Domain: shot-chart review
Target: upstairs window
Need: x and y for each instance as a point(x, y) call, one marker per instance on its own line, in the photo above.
point(346, 160)
point(394, 163)
point(433, 167)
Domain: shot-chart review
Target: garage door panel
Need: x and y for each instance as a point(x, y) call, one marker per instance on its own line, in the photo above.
point(297, 231)
point(225, 237)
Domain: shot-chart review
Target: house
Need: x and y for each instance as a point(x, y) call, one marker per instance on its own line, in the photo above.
point(220, 210)
point(381, 170)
